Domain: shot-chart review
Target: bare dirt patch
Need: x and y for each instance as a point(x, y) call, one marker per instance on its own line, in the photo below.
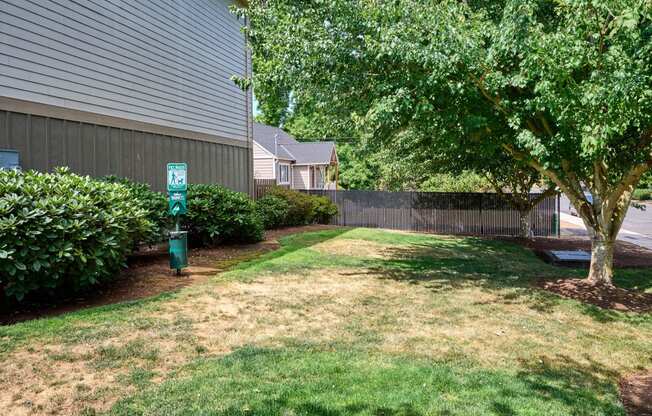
point(603, 296)
point(148, 274)
point(47, 380)
point(636, 394)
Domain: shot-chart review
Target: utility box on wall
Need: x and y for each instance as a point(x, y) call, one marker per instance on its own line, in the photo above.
point(9, 159)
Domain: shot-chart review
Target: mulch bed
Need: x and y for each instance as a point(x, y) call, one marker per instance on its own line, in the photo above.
point(636, 394)
point(626, 255)
point(603, 296)
point(149, 274)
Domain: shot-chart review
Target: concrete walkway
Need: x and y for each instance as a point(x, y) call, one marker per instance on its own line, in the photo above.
point(573, 226)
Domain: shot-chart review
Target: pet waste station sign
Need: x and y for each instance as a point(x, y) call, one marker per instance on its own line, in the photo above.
point(177, 180)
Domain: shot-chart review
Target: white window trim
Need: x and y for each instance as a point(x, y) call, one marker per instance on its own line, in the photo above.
point(320, 173)
point(280, 165)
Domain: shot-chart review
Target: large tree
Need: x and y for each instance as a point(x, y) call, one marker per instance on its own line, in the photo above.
point(513, 180)
point(424, 160)
point(564, 86)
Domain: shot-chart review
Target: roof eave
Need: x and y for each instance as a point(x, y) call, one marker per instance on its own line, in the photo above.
point(312, 163)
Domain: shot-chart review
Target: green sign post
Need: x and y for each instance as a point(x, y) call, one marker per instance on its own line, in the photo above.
point(177, 179)
point(177, 203)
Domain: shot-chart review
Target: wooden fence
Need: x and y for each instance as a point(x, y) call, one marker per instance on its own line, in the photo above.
point(439, 212)
point(262, 186)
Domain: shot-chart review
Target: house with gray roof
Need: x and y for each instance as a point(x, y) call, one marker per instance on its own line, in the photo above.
point(298, 165)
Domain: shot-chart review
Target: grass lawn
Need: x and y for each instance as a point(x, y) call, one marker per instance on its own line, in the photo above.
point(339, 322)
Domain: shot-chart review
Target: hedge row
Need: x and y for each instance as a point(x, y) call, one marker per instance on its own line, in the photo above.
point(643, 194)
point(285, 207)
point(154, 204)
point(219, 215)
point(62, 231)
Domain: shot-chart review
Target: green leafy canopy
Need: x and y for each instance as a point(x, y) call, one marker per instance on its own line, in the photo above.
point(562, 86)
point(558, 80)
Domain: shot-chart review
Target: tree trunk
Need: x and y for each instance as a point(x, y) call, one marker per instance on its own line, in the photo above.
point(525, 227)
point(602, 260)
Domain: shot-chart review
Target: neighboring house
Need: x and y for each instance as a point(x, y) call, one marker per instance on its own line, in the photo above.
point(123, 87)
point(298, 165)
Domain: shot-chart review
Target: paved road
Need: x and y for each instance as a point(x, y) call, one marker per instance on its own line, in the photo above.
point(636, 229)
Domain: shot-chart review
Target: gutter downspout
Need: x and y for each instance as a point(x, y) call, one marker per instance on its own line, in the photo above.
point(276, 164)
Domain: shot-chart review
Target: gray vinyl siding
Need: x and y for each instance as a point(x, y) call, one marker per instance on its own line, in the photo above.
point(163, 62)
point(46, 143)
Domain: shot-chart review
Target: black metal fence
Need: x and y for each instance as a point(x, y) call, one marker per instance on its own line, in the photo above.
point(439, 212)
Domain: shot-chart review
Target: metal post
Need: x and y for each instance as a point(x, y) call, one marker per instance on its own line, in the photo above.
point(558, 215)
point(481, 217)
point(177, 228)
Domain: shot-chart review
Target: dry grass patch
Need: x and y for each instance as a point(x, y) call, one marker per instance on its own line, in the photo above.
point(349, 306)
point(409, 300)
point(376, 250)
point(211, 319)
point(353, 247)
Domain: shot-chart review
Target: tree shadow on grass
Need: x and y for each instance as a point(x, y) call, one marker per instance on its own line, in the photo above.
point(488, 269)
point(588, 380)
point(606, 315)
point(634, 279)
point(320, 409)
point(290, 256)
point(507, 271)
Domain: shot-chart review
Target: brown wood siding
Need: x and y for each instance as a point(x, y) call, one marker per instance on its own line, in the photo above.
point(45, 143)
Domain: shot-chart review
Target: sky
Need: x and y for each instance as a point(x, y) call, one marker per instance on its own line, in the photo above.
point(256, 110)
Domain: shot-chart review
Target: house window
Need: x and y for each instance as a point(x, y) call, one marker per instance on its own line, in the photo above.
point(317, 177)
point(284, 174)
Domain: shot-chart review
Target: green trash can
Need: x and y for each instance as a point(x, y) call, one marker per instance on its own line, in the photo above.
point(178, 250)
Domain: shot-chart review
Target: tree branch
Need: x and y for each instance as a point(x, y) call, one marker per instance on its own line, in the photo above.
point(552, 190)
point(499, 191)
point(494, 100)
point(572, 190)
point(546, 125)
point(627, 183)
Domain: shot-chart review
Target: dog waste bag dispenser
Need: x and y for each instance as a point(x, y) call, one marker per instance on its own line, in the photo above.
point(177, 190)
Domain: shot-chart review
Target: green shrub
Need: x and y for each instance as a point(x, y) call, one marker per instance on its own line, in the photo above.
point(301, 206)
point(273, 211)
point(643, 194)
point(304, 208)
point(219, 215)
point(154, 203)
point(62, 230)
point(324, 209)
point(646, 181)
point(464, 182)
